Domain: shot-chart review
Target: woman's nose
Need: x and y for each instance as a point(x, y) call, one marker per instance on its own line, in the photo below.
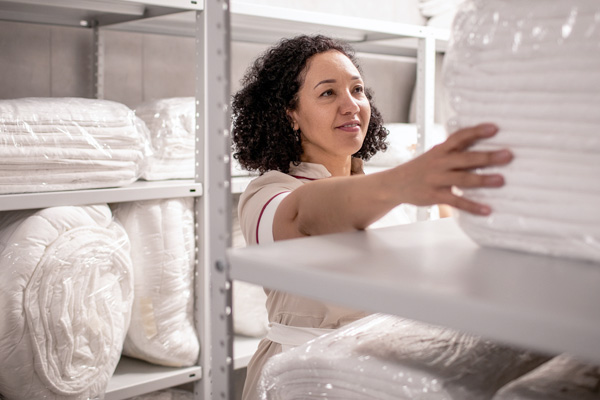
point(348, 104)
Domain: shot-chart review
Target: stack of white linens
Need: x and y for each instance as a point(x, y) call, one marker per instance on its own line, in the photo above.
point(162, 251)
point(562, 378)
point(389, 358)
point(172, 135)
point(66, 292)
point(51, 144)
point(172, 126)
point(533, 68)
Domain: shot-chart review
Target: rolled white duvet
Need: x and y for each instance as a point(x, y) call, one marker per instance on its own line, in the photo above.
point(389, 358)
point(65, 292)
point(532, 69)
point(162, 250)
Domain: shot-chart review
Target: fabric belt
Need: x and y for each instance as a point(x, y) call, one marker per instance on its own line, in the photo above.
point(291, 336)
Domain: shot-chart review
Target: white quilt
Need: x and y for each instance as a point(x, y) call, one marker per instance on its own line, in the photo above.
point(533, 69)
point(171, 123)
point(172, 135)
point(562, 378)
point(389, 358)
point(162, 250)
point(66, 292)
point(51, 144)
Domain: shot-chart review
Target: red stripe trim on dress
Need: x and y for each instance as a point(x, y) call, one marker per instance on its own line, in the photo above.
point(263, 210)
point(303, 177)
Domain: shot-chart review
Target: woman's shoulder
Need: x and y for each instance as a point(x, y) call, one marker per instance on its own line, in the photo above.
point(271, 178)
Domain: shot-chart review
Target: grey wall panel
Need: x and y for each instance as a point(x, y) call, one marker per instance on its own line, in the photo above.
point(24, 60)
point(392, 80)
point(242, 56)
point(71, 62)
point(168, 66)
point(123, 67)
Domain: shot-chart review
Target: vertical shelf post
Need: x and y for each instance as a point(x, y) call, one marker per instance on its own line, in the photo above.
point(425, 101)
point(98, 62)
point(201, 278)
point(216, 233)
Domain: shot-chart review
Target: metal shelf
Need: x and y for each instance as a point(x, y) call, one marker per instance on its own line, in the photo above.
point(139, 190)
point(88, 13)
point(431, 271)
point(134, 377)
point(268, 24)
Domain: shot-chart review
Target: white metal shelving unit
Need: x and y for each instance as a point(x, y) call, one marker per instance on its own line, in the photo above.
point(429, 271)
point(267, 24)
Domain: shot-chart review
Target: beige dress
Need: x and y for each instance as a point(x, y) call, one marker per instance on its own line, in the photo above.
point(283, 308)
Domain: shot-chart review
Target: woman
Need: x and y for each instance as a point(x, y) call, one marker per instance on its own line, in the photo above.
point(305, 121)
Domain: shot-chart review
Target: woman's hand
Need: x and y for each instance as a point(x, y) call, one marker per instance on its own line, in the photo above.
point(429, 178)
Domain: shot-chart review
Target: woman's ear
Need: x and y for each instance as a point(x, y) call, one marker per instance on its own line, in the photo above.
point(291, 116)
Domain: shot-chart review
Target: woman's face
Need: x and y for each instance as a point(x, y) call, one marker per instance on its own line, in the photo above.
point(333, 111)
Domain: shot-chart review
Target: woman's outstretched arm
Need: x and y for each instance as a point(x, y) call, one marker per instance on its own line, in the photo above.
point(341, 204)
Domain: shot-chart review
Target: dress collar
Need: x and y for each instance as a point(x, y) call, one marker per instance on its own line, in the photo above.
point(310, 171)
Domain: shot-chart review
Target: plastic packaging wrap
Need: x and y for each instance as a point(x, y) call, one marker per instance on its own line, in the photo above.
point(532, 68)
point(386, 357)
point(171, 123)
point(66, 292)
point(49, 144)
point(172, 135)
point(562, 378)
point(162, 250)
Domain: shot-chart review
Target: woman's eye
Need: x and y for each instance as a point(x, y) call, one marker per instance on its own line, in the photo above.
point(359, 89)
point(327, 93)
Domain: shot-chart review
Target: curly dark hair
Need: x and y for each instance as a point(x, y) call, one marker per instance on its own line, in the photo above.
point(263, 138)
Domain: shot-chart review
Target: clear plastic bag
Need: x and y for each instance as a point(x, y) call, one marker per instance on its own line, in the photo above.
point(66, 292)
point(562, 378)
point(162, 239)
point(390, 358)
point(49, 144)
point(172, 135)
point(532, 68)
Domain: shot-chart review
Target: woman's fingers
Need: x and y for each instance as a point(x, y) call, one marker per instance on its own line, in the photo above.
point(466, 137)
point(477, 159)
point(469, 180)
point(467, 205)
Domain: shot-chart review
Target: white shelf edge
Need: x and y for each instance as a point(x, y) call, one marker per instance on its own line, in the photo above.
point(83, 13)
point(432, 272)
point(140, 190)
point(134, 377)
point(240, 183)
point(244, 348)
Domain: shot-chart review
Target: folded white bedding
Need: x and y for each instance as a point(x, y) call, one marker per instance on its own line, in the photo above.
point(162, 250)
point(562, 378)
point(386, 357)
point(172, 126)
point(66, 292)
point(92, 143)
point(532, 68)
point(172, 134)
